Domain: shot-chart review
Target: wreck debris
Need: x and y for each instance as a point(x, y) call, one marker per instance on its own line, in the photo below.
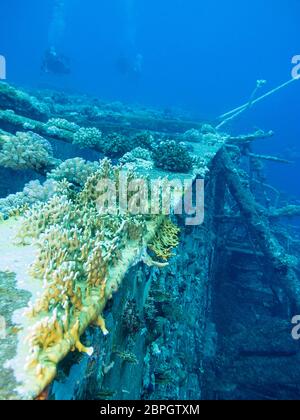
point(77, 252)
point(281, 262)
point(23, 103)
point(21, 123)
point(248, 138)
point(82, 261)
point(229, 116)
point(288, 211)
point(131, 320)
point(270, 158)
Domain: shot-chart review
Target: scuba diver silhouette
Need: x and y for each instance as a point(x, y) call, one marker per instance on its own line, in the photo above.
point(129, 67)
point(130, 63)
point(55, 63)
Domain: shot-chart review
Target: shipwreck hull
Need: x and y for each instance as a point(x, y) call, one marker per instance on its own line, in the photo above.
point(157, 321)
point(163, 354)
point(199, 324)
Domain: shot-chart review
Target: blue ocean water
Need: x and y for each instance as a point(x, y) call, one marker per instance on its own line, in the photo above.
point(202, 56)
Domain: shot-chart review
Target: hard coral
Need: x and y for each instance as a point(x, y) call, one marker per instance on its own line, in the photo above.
point(116, 145)
point(26, 151)
point(172, 156)
point(33, 193)
point(76, 171)
point(165, 240)
point(63, 124)
point(22, 103)
point(193, 136)
point(78, 248)
point(145, 140)
point(88, 137)
point(136, 155)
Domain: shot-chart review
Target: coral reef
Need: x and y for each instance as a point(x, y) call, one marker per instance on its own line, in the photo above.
point(138, 158)
point(165, 240)
point(76, 171)
point(136, 154)
point(88, 137)
point(208, 129)
point(78, 249)
point(56, 124)
point(193, 136)
point(33, 193)
point(196, 136)
point(173, 157)
point(80, 255)
point(26, 151)
point(116, 145)
point(21, 102)
point(144, 140)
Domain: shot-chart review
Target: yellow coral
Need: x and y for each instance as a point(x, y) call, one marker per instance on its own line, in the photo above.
point(166, 239)
point(78, 252)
